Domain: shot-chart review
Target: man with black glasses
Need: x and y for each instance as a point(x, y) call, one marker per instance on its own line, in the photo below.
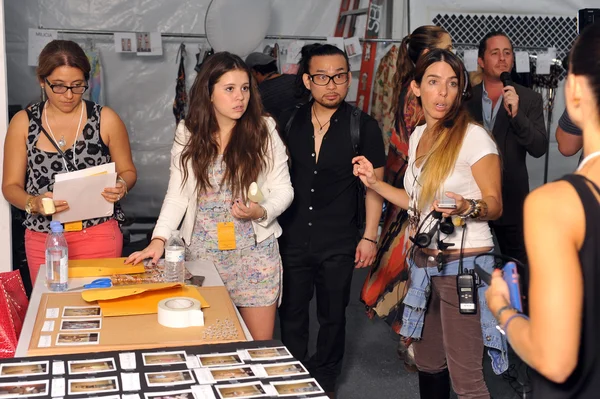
point(322, 242)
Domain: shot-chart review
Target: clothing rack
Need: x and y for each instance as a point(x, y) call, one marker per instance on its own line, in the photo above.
point(203, 35)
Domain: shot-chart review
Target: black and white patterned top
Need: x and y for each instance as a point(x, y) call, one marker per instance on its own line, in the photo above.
point(42, 166)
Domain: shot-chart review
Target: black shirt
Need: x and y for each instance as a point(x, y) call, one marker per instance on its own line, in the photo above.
point(324, 209)
point(584, 382)
point(279, 94)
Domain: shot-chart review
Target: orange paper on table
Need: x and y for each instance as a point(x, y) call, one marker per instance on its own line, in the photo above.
point(139, 299)
point(102, 267)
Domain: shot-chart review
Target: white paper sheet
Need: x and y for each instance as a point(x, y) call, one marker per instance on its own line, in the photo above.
point(149, 43)
point(352, 46)
point(522, 61)
point(83, 195)
point(470, 60)
point(37, 41)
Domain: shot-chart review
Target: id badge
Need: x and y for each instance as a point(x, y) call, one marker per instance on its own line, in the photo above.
point(74, 226)
point(226, 235)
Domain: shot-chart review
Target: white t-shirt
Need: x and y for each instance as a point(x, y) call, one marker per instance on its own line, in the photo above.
point(477, 144)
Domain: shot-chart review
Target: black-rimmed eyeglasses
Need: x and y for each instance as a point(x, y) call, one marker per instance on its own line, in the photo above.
point(321, 79)
point(62, 89)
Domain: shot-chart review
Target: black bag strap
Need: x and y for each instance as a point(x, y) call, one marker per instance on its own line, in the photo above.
point(37, 121)
point(288, 125)
point(355, 130)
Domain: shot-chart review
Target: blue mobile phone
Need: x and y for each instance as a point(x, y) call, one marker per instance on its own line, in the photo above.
point(511, 276)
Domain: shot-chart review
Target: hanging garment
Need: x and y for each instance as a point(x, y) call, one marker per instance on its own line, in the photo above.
point(180, 102)
point(383, 91)
point(95, 93)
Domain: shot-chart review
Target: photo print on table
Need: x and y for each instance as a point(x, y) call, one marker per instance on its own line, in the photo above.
point(297, 387)
point(275, 353)
point(220, 359)
point(219, 374)
point(284, 369)
point(165, 378)
point(185, 394)
point(24, 389)
point(163, 358)
point(246, 390)
point(81, 311)
point(81, 324)
point(23, 369)
point(92, 366)
point(93, 385)
point(78, 338)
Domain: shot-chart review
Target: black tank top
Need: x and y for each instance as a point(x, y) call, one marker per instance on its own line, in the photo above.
point(585, 381)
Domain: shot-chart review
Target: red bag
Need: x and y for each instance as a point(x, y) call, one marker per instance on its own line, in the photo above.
point(13, 306)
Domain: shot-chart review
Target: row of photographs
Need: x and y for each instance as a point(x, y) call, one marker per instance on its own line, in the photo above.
point(204, 375)
point(36, 368)
point(104, 385)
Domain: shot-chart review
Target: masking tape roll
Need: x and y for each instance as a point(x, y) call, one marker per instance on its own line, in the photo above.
point(180, 312)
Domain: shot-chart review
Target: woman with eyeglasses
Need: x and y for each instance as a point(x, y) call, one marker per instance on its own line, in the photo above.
point(79, 134)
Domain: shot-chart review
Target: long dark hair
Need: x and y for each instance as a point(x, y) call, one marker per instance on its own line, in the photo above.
point(449, 132)
point(245, 154)
point(423, 38)
point(585, 59)
point(59, 53)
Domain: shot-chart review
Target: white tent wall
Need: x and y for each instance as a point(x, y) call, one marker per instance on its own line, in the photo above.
point(141, 89)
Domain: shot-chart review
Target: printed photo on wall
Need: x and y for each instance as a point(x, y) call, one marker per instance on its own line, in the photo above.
point(91, 366)
point(125, 42)
point(164, 378)
point(220, 359)
point(148, 43)
point(24, 389)
point(93, 385)
point(23, 369)
point(161, 358)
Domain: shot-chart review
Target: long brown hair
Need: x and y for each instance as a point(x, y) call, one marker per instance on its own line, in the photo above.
point(245, 154)
point(449, 132)
point(423, 38)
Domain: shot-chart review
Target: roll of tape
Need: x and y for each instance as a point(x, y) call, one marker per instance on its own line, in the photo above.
point(180, 312)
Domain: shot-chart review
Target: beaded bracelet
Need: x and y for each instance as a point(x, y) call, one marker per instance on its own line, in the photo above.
point(120, 179)
point(511, 318)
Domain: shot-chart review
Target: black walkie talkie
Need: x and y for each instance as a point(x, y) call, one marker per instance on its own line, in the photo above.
point(467, 292)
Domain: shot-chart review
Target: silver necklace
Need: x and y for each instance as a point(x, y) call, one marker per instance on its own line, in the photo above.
point(62, 143)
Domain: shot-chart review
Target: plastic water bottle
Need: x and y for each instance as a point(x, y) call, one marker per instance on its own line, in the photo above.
point(175, 258)
point(57, 259)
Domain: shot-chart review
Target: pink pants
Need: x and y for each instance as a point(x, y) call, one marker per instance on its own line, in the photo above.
point(102, 241)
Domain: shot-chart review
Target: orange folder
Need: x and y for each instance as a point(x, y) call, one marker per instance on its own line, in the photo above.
point(102, 267)
point(139, 299)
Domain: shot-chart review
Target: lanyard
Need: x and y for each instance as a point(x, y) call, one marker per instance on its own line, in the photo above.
point(587, 159)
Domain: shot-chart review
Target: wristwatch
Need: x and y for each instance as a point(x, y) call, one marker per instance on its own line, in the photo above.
point(29, 205)
point(263, 217)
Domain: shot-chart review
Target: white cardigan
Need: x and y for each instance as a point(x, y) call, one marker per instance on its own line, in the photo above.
point(180, 200)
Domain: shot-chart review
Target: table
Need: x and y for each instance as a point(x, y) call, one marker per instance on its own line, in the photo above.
point(197, 268)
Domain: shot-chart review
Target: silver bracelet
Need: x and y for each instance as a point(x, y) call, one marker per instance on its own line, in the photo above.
point(263, 217)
